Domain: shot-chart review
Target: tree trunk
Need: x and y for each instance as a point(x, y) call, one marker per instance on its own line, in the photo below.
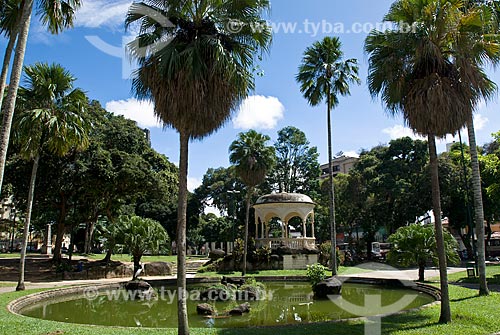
point(111, 239)
point(6, 62)
point(331, 189)
point(61, 229)
point(478, 208)
point(137, 265)
point(445, 316)
point(421, 271)
point(31, 195)
point(182, 314)
point(15, 78)
point(245, 245)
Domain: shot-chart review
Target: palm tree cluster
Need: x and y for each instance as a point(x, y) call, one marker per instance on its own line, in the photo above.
point(433, 76)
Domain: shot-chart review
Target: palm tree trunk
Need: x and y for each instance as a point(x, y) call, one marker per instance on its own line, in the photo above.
point(331, 189)
point(445, 316)
point(421, 271)
point(61, 229)
point(31, 194)
point(247, 218)
point(5, 66)
point(478, 206)
point(182, 314)
point(15, 78)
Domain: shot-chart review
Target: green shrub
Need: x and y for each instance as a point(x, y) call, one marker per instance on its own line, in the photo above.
point(316, 273)
point(325, 250)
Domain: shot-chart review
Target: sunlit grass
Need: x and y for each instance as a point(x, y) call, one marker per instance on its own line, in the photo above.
point(472, 315)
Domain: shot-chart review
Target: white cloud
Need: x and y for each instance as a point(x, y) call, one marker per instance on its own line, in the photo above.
point(351, 154)
point(100, 13)
point(259, 112)
point(139, 111)
point(193, 183)
point(399, 131)
point(480, 121)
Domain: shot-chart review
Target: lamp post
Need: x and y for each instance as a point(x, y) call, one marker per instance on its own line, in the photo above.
point(13, 218)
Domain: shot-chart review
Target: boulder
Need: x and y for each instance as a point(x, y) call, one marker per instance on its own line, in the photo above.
point(216, 254)
point(239, 310)
point(139, 289)
point(157, 269)
point(248, 293)
point(235, 281)
point(205, 309)
point(330, 287)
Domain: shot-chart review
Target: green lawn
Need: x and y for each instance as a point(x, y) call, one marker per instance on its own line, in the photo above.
point(492, 275)
point(7, 284)
point(342, 271)
point(472, 315)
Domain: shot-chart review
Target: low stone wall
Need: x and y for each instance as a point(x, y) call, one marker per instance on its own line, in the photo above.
point(120, 271)
point(17, 305)
point(299, 262)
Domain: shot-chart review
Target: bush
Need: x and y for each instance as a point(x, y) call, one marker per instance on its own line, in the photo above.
point(325, 254)
point(210, 267)
point(316, 273)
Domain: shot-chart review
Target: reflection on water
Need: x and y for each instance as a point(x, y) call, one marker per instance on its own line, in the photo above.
point(285, 303)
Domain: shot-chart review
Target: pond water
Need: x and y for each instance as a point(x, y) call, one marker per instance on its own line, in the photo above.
point(284, 303)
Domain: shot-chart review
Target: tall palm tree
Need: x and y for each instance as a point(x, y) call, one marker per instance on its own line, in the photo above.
point(324, 75)
point(481, 48)
point(49, 119)
point(15, 22)
point(418, 74)
point(195, 64)
point(9, 17)
point(252, 159)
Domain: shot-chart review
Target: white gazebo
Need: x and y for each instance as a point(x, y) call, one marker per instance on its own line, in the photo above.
point(284, 206)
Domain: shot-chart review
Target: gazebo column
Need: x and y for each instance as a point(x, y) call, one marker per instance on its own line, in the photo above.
point(312, 225)
point(262, 230)
point(304, 227)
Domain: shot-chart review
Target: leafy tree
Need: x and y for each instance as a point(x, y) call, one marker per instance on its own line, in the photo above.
point(416, 245)
point(419, 74)
point(50, 117)
point(324, 75)
point(141, 235)
point(15, 22)
point(222, 189)
point(252, 160)
point(297, 168)
point(195, 79)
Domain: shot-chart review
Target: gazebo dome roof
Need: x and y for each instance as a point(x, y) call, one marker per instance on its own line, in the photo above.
point(276, 198)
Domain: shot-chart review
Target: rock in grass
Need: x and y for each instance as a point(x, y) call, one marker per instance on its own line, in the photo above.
point(331, 286)
point(205, 309)
point(239, 310)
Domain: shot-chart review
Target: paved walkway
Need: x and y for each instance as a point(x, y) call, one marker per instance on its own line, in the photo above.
point(411, 274)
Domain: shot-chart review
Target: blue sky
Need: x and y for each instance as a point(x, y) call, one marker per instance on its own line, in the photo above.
point(93, 51)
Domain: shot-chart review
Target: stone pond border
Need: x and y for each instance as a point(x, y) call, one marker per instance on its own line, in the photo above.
point(17, 305)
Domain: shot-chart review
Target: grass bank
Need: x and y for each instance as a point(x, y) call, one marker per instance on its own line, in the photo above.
point(472, 315)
